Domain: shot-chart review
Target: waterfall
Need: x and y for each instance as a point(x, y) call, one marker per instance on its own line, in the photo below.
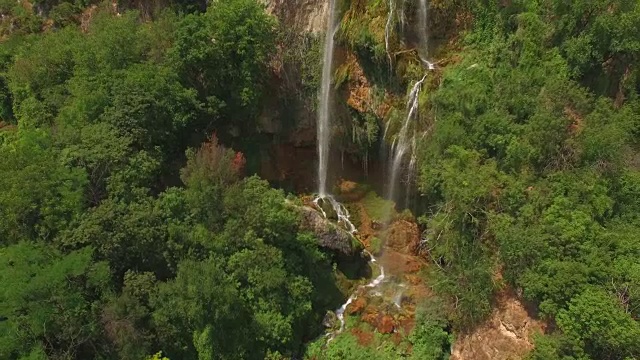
point(402, 17)
point(404, 141)
point(325, 101)
point(387, 31)
point(423, 34)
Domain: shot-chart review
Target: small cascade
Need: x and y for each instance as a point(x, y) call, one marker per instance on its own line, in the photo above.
point(324, 125)
point(387, 32)
point(341, 212)
point(344, 218)
point(404, 141)
point(373, 284)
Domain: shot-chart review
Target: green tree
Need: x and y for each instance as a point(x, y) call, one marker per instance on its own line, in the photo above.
point(49, 302)
point(40, 195)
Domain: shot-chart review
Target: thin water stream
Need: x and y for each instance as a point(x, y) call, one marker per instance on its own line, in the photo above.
point(324, 113)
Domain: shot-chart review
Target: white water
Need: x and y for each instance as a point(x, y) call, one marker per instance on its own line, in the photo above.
point(325, 101)
point(402, 17)
point(404, 141)
point(373, 284)
point(423, 34)
point(387, 31)
point(344, 218)
point(341, 212)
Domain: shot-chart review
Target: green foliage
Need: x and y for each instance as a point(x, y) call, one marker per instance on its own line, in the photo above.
point(376, 245)
point(529, 177)
point(204, 43)
point(429, 338)
point(40, 194)
point(49, 301)
point(102, 255)
point(346, 346)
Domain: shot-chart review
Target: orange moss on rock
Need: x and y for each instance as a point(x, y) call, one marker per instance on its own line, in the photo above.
point(357, 306)
point(364, 338)
point(403, 236)
point(386, 325)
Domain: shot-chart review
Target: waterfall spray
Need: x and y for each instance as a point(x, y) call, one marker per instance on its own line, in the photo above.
point(325, 101)
point(404, 141)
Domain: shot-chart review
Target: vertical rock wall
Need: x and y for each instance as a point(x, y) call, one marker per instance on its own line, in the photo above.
point(302, 15)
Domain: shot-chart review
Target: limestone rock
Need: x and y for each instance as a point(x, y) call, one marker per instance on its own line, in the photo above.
point(301, 15)
point(329, 235)
point(505, 336)
point(403, 236)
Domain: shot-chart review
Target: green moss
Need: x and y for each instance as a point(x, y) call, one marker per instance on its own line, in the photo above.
point(376, 245)
point(378, 208)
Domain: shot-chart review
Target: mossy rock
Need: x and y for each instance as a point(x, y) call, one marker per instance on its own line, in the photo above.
point(379, 209)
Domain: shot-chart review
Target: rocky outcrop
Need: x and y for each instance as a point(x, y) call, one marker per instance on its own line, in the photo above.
point(403, 236)
point(505, 336)
point(328, 234)
point(301, 15)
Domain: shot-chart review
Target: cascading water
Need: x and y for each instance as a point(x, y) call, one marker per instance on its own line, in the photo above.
point(404, 141)
point(341, 212)
point(387, 31)
point(402, 17)
point(325, 101)
point(344, 218)
point(373, 284)
point(423, 34)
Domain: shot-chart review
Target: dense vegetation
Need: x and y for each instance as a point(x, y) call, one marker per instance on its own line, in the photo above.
point(127, 228)
point(121, 235)
point(532, 172)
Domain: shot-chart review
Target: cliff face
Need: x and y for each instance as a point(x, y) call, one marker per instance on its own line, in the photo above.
point(301, 15)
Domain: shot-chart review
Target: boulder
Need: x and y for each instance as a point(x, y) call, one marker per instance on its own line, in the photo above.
point(329, 235)
point(330, 320)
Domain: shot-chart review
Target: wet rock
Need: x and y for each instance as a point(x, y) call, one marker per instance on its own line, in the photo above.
point(329, 235)
point(330, 320)
point(376, 225)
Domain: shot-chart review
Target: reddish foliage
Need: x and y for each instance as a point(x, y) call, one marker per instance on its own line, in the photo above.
point(238, 163)
point(214, 162)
